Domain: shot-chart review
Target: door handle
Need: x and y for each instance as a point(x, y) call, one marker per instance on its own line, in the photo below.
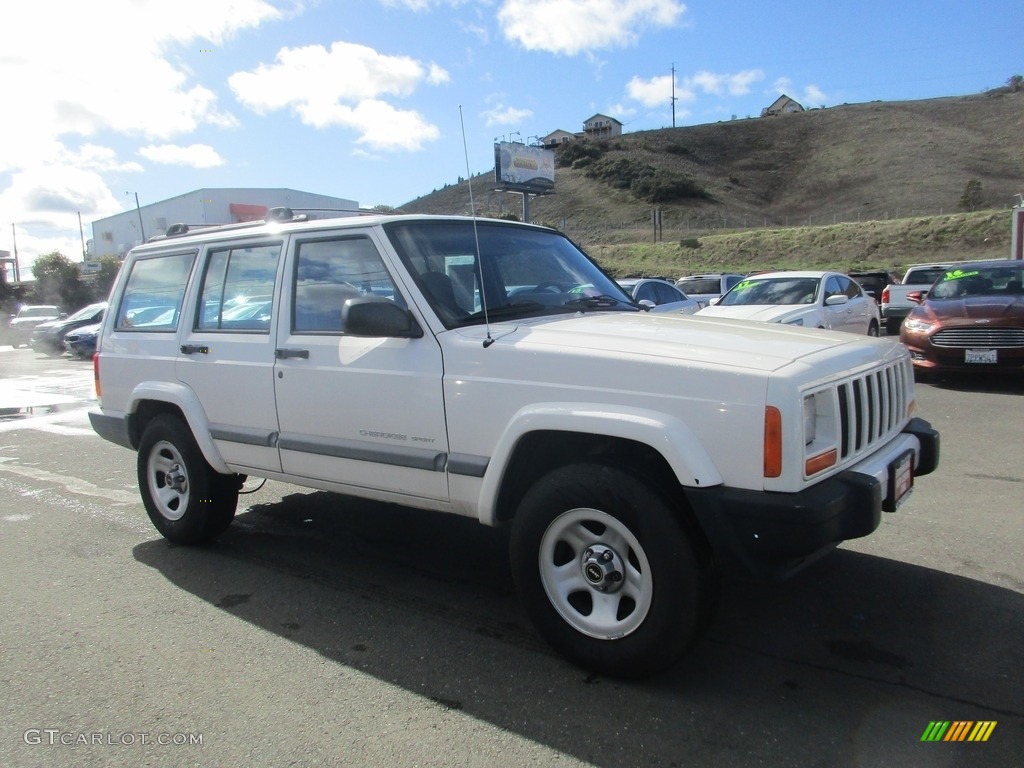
point(191, 349)
point(284, 354)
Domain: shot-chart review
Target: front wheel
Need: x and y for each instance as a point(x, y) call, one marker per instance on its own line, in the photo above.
point(607, 571)
point(186, 499)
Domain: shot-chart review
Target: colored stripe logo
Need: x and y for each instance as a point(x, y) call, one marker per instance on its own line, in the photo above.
point(958, 730)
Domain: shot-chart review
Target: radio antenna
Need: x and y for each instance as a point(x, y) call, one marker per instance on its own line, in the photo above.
point(476, 236)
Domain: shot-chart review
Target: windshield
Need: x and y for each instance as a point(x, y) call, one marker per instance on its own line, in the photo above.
point(961, 282)
point(700, 285)
point(38, 312)
point(773, 290)
point(86, 312)
point(526, 271)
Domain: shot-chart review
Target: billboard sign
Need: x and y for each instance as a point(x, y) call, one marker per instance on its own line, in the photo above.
point(519, 168)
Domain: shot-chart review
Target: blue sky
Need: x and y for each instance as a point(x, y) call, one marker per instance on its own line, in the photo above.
point(363, 100)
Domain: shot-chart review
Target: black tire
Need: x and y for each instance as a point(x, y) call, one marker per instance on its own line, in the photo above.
point(188, 502)
point(892, 326)
point(657, 605)
point(873, 329)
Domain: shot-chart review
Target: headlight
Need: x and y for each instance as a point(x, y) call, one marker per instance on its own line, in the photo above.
point(810, 419)
point(918, 325)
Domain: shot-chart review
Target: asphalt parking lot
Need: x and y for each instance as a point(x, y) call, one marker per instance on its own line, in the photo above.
point(322, 630)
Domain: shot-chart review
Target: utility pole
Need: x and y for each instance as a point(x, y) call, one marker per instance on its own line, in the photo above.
point(673, 94)
point(142, 230)
point(14, 238)
point(81, 233)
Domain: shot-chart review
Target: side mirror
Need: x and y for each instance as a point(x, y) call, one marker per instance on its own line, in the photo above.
point(371, 316)
point(647, 304)
point(836, 300)
point(916, 297)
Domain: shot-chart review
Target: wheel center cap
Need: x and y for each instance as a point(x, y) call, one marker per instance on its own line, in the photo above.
point(602, 568)
point(176, 479)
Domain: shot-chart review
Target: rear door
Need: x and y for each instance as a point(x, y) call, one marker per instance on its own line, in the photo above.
point(226, 355)
point(365, 413)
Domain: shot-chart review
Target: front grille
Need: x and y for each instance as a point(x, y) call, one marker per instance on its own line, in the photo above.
point(979, 337)
point(872, 407)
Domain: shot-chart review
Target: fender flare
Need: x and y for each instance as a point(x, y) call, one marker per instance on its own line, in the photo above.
point(666, 434)
point(188, 403)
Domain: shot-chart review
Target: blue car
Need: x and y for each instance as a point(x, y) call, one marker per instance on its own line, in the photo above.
point(81, 342)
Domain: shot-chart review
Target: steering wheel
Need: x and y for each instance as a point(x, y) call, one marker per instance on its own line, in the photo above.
point(549, 285)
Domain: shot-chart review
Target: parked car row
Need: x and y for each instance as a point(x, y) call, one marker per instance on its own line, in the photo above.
point(17, 331)
point(47, 329)
point(49, 337)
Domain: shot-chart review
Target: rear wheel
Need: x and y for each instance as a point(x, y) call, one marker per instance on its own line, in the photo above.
point(608, 572)
point(873, 329)
point(185, 498)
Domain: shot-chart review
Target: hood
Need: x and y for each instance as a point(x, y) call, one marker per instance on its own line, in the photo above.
point(676, 338)
point(978, 308)
point(764, 313)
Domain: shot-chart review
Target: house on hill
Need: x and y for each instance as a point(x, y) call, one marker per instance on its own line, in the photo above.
point(557, 138)
point(782, 106)
point(601, 127)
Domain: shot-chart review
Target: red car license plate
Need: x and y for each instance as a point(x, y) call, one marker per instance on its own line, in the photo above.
point(981, 356)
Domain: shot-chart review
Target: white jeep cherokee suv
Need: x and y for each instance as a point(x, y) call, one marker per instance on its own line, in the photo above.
point(491, 369)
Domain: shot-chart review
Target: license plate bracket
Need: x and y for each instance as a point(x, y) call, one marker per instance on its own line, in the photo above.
point(901, 481)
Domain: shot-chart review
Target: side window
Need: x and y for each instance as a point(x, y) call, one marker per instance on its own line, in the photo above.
point(731, 280)
point(328, 273)
point(646, 291)
point(238, 289)
point(832, 287)
point(852, 288)
point(153, 293)
point(666, 294)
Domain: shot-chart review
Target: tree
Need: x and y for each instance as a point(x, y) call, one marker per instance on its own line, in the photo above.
point(58, 281)
point(109, 267)
point(971, 198)
point(1016, 83)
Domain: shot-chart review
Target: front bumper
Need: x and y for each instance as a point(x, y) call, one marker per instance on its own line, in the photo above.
point(774, 535)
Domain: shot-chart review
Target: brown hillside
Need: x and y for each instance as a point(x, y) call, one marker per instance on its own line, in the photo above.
point(857, 162)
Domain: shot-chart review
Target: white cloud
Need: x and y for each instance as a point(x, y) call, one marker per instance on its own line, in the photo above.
point(813, 96)
point(194, 155)
point(657, 91)
point(109, 71)
point(503, 115)
point(54, 195)
point(574, 26)
point(343, 86)
point(737, 84)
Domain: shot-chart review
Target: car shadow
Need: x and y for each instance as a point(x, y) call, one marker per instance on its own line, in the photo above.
point(846, 664)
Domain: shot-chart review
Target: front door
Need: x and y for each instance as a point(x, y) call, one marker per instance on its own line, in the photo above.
point(364, 413)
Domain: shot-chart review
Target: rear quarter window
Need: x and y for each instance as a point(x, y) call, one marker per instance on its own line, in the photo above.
point(153, 293)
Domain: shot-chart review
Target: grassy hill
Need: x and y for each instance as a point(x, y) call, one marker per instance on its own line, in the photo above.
point(854, 186)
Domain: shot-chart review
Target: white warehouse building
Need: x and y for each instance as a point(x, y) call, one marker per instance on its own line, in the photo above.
point(118, 234)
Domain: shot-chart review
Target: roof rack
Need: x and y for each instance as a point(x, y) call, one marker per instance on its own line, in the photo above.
point(279, 214)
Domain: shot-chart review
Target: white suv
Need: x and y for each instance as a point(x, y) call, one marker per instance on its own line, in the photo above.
point(491, 369)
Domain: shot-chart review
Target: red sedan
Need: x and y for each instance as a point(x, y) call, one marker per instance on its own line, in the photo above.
point(971, 318)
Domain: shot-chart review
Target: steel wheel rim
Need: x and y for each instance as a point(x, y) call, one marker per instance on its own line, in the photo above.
point(168, 480)
point(570, 561)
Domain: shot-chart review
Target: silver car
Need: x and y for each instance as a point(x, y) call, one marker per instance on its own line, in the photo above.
point(660, 295)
